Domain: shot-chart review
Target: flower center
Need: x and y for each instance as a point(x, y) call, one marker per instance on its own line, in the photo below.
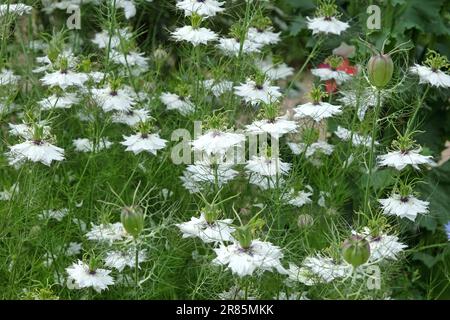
point(38, 142)
point(216, 134)
point(404, 152)
point(113, 93)
point(404, 199)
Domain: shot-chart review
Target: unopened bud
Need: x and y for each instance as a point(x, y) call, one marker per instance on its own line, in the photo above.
point(380, 69)
point(132, 220)
point(356, 250)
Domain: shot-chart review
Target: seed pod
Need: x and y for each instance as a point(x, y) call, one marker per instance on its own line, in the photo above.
point(244, 235)
point(356, 251)
point(305, 220)
point(133, 220)
point(380, 69)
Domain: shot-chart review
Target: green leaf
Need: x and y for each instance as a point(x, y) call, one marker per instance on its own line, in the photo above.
point(302, 5)
point(421, 15)
point(427, 259)
point(297, 25)
point(436, 191)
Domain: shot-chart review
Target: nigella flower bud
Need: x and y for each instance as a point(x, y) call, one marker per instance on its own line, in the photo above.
point(132, 219)
point(305, 220)
point(244, 235)
point(380, 69)
point(356, 250)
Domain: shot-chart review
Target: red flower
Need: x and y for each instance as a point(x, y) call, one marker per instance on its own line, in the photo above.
point(331, 85)
point(347, 68)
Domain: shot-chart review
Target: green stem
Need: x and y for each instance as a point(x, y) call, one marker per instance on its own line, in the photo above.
point(372, 150)
point(4, 36)
point(299, 72)
point(416, 111)
point(136, 264)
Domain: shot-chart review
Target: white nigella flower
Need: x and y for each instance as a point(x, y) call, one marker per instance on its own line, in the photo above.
point(173, 101)
point(274, 72)
point(58, 215)
point(364, 100)
point(232, 47)
point(267, 167)
point(64, 79)
point(404, 206)
point(86, 145)
point(102, 39)
point(357, 139)
point(254, 93)
point(263, 37)
point(59, 102)
point(26, 131)
point(128, 7)
point(400, 159)
point(217, 231)
point(300, 274)
point(17, 9)
point(299, 198)
point(325, 269)
point(85, 277)
point(317, 111)
point(203, 173)
point(316, 269)
point(383, 246)
point(218, 87)
point(266, 182)
point(326, 25)
point(436, 77)
point(260, 255)
point(135, 60)
point(276, 128)
point(216, 142)
point(131, 117)
point(114, 100)
point(73, 249)
point(107, 233)
point(47, 64)
point(205, 8)
point(8, 77)
point(193, 35)
point(35, 151)
point(96, 76)
point(140, 142)
point(120, 259)
point(309, 150)
point(328, 74)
